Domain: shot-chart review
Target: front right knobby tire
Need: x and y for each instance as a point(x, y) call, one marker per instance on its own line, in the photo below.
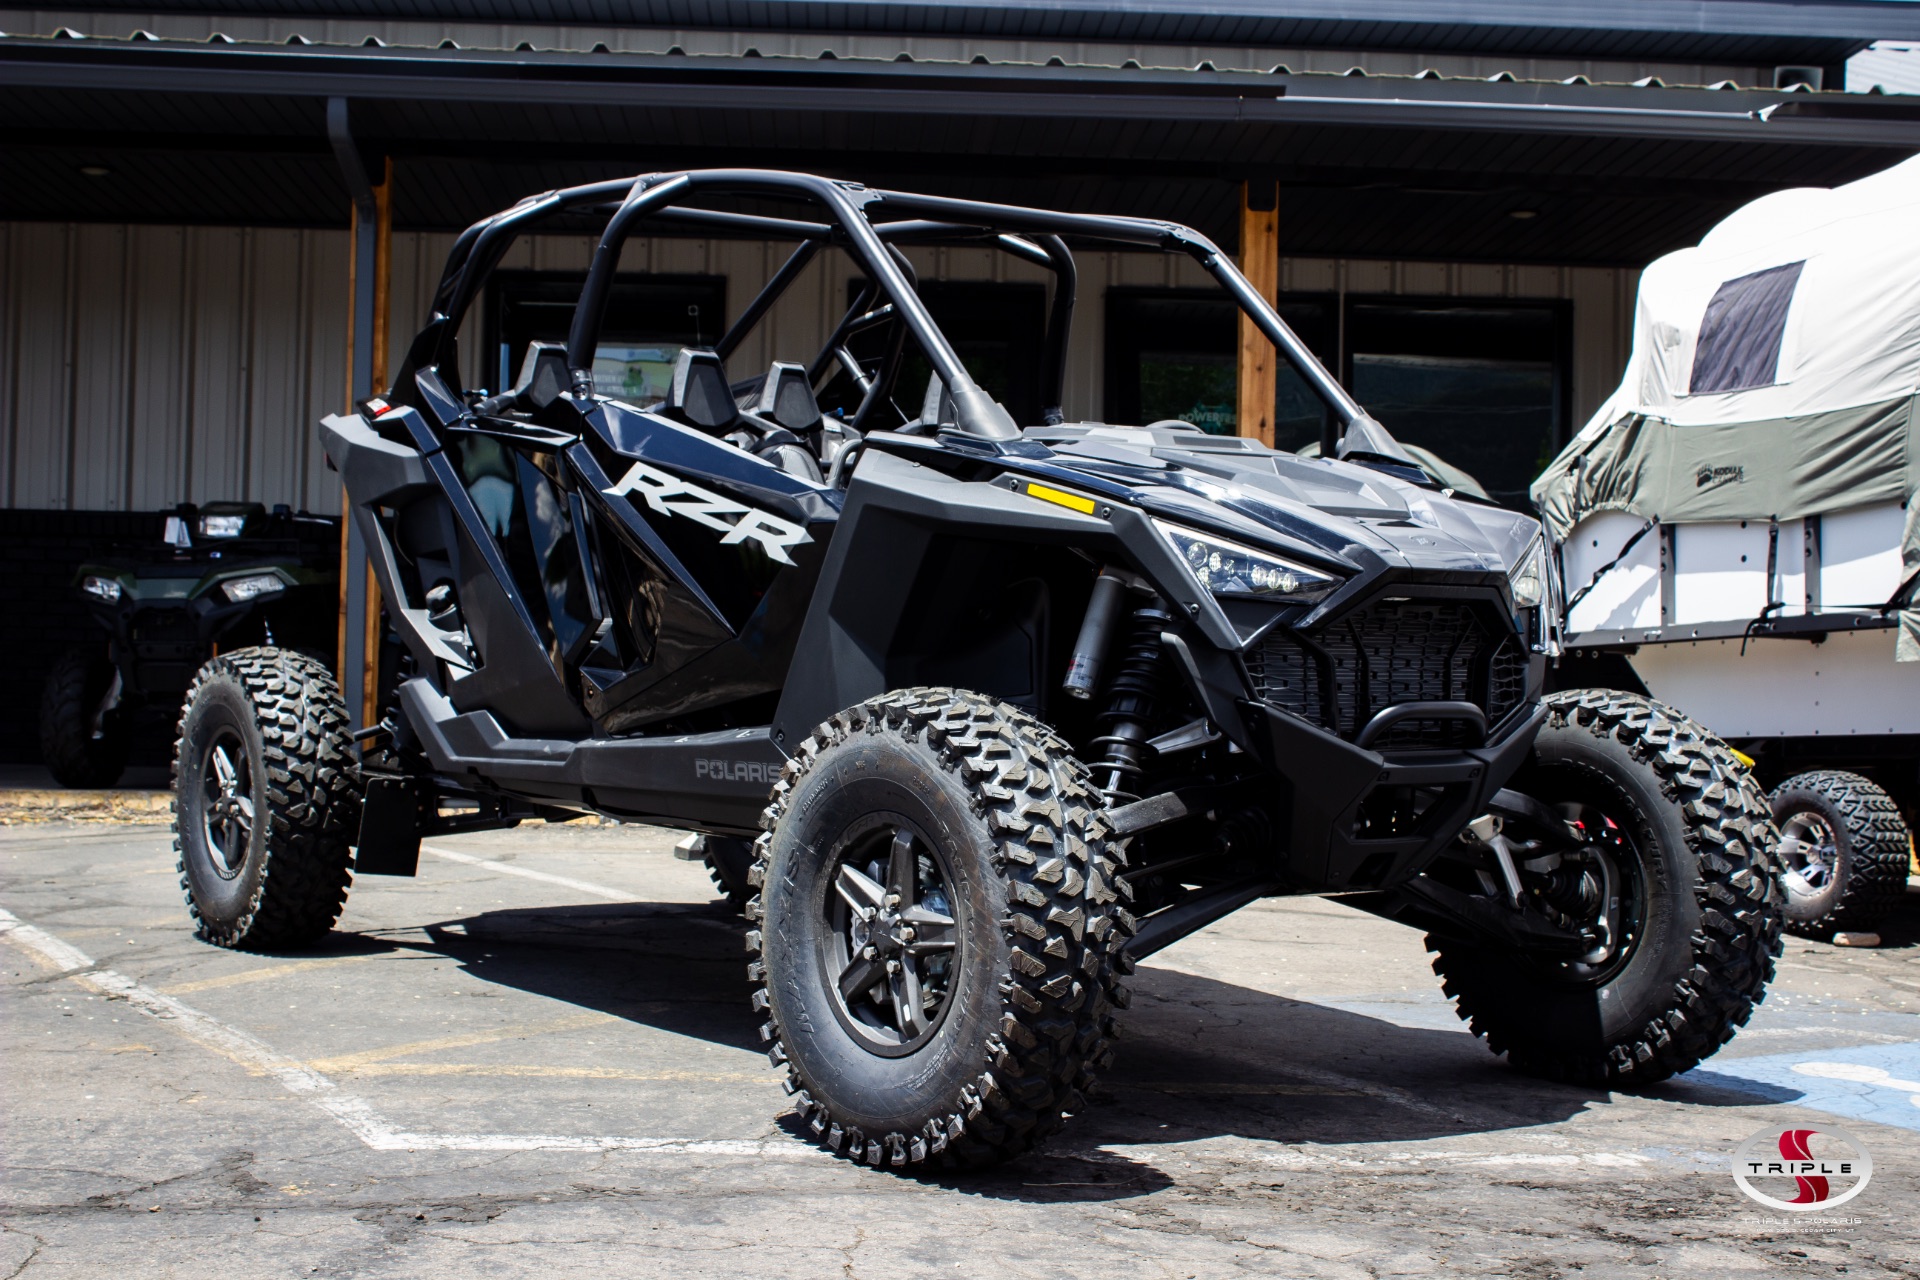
point(1004, 819)
point(1710, 911)
point(265, 803)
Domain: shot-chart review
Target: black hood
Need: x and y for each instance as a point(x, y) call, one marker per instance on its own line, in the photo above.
point(1360, 516)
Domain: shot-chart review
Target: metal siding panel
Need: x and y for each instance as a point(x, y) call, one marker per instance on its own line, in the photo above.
point(1085, 392)
point(216, 419)
point(1422, 277)
point(160, 323)
point(276, 319)
point(41, 359)
point(1538, 282)
point(1602, 314)
point(1480, 278)
point(98, 422)
point(325, 346)
point(745, 264)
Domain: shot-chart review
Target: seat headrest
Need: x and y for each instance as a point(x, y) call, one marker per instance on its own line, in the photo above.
point(543, 375)
point(786, 397)
point(699, 395)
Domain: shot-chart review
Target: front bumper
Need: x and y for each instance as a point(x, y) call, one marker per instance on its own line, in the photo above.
point(1362, 819)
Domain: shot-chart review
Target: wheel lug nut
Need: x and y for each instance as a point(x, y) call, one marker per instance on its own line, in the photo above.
point(868, 953)
point(893, 966)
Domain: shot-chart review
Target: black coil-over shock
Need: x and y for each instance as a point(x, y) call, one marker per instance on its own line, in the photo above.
point(1133, 698)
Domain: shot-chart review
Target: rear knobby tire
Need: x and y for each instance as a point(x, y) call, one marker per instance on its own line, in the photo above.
point(728, 862)
point(1010, 830)
point(1857, 875)
point(76, 686)
point(1710, 913)
point(265, 804)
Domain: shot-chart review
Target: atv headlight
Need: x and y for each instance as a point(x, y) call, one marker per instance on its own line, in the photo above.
point(1528, 579)
point(228, 526)
point(102, 589)
point(240, 590)
point(1229, 569)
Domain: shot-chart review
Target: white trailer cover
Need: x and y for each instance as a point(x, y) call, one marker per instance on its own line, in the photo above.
point(1773, 375)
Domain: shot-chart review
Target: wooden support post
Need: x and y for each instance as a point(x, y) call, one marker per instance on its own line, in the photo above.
point(1260, 263)
point(369, 272)
point(377, 381)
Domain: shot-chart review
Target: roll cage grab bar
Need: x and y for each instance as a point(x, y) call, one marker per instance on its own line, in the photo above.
point(1033, 235)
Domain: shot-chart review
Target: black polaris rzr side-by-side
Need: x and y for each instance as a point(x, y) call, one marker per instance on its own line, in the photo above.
point(974, 715)
point(229, 574)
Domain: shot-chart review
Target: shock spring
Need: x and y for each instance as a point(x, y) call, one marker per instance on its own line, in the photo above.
point(1133, 697)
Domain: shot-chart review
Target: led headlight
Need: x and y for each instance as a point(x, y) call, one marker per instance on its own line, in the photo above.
point(1229, 569)
point(103, 589)
point(240, 590)
point(226, 526)
point(1528, 578)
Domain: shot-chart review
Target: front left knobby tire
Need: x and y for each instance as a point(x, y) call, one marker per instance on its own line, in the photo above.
point(265, 804)
point(939, 931)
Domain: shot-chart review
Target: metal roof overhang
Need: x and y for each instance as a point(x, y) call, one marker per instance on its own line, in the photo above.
point(1370, 166)
point(1758, 32)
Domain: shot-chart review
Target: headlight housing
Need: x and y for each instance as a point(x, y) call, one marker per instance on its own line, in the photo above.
point(240, 590)
point(222, 526)
point(1228, 569)
point(1528, 577)
point(105, 590)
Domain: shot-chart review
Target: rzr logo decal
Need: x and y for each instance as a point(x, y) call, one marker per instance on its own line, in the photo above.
point(672, 496)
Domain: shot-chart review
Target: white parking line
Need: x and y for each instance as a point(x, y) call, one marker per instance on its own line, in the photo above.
point(507, 868)
point(351, 1112)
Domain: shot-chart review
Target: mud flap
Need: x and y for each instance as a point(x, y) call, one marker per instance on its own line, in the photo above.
point(389, 843)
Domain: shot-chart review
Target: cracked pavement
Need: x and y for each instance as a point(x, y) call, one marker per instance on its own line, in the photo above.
point(1293, 1096)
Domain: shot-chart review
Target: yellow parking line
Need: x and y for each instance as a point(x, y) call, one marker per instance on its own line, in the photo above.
point(259, 975)
point(354, 1061)
point(554, 1073)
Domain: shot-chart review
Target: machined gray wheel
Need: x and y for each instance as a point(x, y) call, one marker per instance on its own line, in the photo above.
point(1843, 853)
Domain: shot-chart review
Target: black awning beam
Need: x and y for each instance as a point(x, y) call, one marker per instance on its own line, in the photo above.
point(724, 84)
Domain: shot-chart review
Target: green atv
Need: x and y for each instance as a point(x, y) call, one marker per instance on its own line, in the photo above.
point(225, 575)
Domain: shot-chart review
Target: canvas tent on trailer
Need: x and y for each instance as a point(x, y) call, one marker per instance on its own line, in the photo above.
point(1738, 520)
point(1772, 383)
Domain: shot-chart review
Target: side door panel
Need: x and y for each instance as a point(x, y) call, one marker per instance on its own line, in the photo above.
point(710, 555)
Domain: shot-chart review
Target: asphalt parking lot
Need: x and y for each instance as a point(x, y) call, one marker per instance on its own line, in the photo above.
point(538, 1056)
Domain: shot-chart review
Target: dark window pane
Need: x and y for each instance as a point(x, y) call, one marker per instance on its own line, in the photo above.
point(1481, 384)
point(1740, 336)
point(1174, 353)
point(996, 329)
point(1493, 419)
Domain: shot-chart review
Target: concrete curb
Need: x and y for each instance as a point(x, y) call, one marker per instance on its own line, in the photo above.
point(145, 807)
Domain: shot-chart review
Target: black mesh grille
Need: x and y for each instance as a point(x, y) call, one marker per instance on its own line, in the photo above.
point(1390, 653)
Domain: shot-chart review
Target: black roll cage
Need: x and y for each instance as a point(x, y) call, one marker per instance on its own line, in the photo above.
point(890, 294)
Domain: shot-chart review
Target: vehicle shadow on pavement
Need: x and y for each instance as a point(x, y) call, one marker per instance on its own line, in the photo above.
point(1199, 1058)
point(679, 967)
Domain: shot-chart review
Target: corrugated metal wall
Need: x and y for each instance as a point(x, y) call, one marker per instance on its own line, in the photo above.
point(140, 366)
point(143, 365)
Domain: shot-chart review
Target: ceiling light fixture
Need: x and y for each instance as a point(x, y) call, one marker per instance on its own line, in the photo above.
point(95, 170)
point(1523, 214)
